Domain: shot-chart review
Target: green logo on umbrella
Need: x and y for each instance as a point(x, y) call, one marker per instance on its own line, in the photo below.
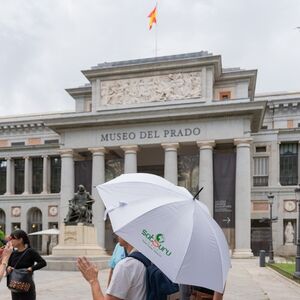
point(155, 242)
point(160, 238)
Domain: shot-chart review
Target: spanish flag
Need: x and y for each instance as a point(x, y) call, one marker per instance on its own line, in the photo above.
point(152, 17)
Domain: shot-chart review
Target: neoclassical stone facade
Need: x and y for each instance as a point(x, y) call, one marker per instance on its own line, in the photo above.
point(182, 117)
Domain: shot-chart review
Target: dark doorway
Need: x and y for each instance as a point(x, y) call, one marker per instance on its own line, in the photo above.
point(83, 174)
point(35, 223)
point(224, 164)
point(156, 170)
point(260, 236)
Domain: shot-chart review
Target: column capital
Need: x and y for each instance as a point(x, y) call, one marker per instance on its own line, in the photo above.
point(170, 146)
point(206, 144)
point(66, 152)
point(130, 148)
point(8, 158)
point(98, 151)
point(45, 156)
point(26, 157)
point(243, 142)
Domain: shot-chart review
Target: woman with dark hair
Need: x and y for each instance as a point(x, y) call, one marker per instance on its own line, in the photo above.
point(24, 257)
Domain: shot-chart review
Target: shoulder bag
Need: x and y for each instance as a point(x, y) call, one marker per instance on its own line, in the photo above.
point(19, 280)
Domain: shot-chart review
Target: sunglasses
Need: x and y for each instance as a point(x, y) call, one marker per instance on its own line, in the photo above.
point(13, 238)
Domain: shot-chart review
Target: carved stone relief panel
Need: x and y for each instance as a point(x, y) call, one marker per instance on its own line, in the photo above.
point(175, 86)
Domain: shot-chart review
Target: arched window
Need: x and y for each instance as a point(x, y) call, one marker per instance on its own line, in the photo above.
point(35, 223)
point(2, 220)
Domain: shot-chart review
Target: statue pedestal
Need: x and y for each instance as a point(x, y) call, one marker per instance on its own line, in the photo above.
point(74, 241)
point(288, 249)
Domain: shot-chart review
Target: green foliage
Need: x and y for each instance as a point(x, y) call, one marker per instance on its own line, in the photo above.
point(289, 268)
point(286, 269)
point(2, 236)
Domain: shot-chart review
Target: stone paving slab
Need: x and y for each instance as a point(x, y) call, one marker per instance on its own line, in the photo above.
point(246, 281)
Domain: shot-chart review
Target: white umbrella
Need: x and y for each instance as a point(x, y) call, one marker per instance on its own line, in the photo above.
point(168, 226)
point(52, 231)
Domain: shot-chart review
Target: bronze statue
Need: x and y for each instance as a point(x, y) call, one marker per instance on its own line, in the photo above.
point(80, 208)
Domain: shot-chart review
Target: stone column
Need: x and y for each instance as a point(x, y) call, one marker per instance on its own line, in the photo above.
point(45, 174)
point(26, 176)
point(8, 176)
point(130, 159)
point(98, 177)
point(171, 167)
point(242, 200)
point(67, 182)
point(206, 174)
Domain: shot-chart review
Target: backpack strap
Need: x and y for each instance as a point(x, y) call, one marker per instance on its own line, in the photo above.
point(140, 257)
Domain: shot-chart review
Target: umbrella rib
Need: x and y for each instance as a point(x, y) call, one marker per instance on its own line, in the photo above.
point(186, 247)
point(219, 253)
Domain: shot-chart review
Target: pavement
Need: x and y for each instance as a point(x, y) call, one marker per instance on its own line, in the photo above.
point(246, 281)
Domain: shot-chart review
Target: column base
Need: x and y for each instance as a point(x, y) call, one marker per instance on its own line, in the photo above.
point(242, 253)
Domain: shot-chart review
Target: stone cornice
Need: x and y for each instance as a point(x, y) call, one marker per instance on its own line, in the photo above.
point(13, 152)
point(143, 67)
point(178, 111)
point(80, 91)
point(33, 197)
point(25, 148)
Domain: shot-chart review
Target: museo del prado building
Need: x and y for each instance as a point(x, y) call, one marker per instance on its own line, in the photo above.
point(183, 117)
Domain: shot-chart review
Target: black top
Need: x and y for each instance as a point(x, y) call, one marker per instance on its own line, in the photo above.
point(30, 259)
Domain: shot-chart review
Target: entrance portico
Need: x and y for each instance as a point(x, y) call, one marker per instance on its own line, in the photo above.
point(170, 107)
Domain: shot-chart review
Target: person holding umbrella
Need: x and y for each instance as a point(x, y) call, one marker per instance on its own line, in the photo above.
point(151, 213)
point(128, 280)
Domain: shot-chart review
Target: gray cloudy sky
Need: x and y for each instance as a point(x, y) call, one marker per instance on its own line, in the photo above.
point(44, 44)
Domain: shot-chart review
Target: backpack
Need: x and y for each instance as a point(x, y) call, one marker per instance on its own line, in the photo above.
point(158, 285)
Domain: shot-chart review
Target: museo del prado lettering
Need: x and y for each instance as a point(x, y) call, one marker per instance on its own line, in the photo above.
point(149, 134)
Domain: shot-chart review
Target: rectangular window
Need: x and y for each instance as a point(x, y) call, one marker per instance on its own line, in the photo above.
point(289, 164)
point(49, 142)
point(2, 177)
point(17, 144)
point(290, 124)
point(260, 149)
point(261, 171)
point(19, 175)
point(225, 95)
point(55, 178)
point(37, 175)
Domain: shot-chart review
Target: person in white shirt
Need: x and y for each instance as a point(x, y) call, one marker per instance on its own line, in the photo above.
point(128, 280)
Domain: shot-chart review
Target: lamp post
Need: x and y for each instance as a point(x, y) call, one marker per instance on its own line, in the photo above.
point(297, 271)
point(271, 251)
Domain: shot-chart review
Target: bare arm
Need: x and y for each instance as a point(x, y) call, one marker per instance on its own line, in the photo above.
point(109, 276)
point(5, 256)
point(90, 273)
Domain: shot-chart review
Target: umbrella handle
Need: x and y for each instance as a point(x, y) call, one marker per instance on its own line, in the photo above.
point(198, 193)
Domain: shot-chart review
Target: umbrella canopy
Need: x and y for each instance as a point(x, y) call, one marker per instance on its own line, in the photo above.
point(52, 231)
point(168, 226)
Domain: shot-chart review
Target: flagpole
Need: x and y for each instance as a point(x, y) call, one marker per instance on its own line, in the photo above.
point(156, 29)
